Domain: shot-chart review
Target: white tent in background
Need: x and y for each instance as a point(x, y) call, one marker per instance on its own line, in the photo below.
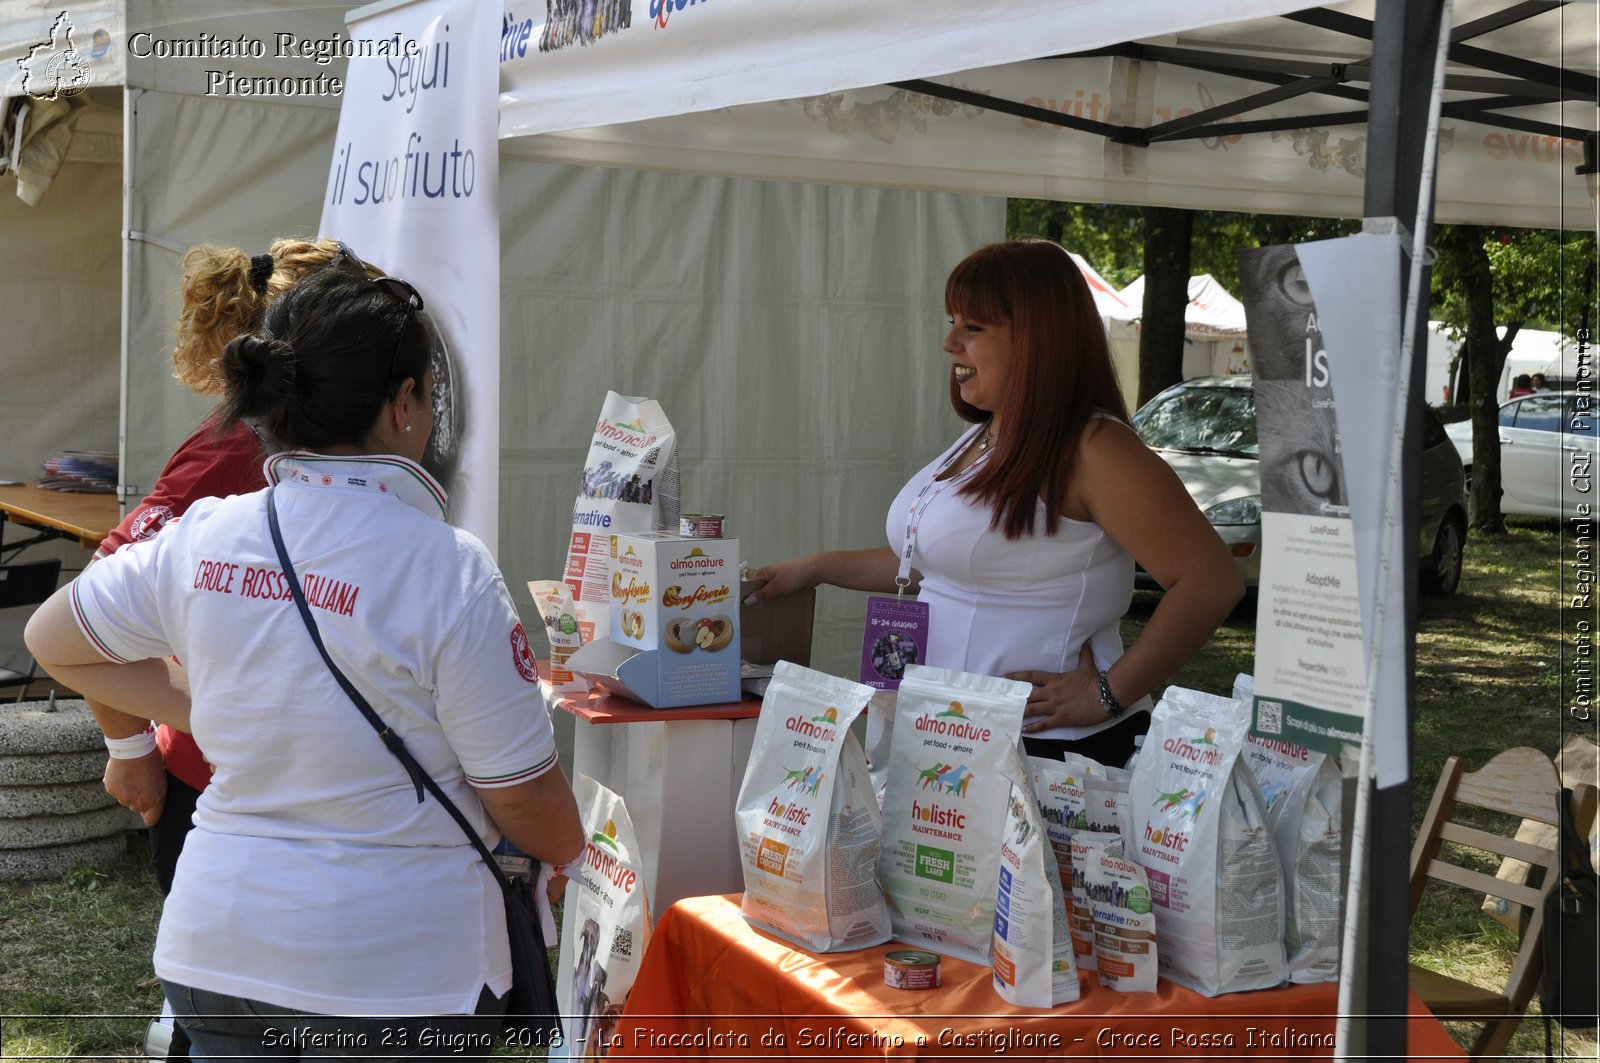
point(1118, 315)
point(1539, 351)
point(1106, 297)
point(1214, 328)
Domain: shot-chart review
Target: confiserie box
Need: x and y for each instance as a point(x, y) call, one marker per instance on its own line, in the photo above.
point(674, 635)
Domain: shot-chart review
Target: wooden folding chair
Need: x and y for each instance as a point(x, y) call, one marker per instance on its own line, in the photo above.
point(1520, 783)
point(27, 584)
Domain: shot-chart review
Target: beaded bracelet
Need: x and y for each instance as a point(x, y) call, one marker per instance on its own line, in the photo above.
point(1113, 707)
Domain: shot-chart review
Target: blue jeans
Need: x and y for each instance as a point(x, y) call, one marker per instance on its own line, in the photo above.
point(224, 1027)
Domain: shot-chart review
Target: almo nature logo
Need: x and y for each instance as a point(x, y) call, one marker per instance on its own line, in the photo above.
point(822, 727)
point(1202, 750)
point(605, 856)
point(953, 722)
point(631, 434)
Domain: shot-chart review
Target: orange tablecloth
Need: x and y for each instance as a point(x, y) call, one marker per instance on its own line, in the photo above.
point(711, 986)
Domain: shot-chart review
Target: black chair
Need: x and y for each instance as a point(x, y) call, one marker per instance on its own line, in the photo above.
point(27, 584)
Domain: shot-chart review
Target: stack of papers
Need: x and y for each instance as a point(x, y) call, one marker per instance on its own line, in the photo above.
point(90, 471)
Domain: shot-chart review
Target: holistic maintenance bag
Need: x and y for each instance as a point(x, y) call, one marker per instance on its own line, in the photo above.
point(807, 818)
point(944, 806)
point(1199, 828)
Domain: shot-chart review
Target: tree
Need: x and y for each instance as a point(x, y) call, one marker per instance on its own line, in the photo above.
point(1167, 237)
point(1535, 278)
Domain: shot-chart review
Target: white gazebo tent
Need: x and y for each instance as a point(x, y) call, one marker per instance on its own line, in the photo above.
point(1153, 103)
point(1214, 333)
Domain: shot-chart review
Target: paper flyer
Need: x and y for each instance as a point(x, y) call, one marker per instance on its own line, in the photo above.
point(1310, 664)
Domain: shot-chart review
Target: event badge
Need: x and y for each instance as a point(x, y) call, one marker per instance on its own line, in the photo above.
point(896, 632)
point(896, 635)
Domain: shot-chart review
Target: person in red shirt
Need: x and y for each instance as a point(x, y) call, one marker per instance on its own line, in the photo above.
point(160, 772)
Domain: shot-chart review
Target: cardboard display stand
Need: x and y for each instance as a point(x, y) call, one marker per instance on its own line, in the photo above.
point(678, 770)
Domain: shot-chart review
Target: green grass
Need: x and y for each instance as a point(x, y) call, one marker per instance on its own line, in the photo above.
point(76, 983)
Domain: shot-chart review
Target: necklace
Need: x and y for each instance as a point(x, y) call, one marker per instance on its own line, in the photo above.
point(983, 444)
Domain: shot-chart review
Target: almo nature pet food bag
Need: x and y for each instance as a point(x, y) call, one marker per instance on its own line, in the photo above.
point(1032, 947)
point(1200, 830)
point(605, 925)
point(1304, 794)
point(807, 817)
point(944, 806)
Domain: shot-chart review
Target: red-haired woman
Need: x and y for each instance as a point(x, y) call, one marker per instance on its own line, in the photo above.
point(1024, 533)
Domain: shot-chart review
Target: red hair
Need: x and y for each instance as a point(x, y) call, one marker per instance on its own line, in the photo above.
point(1061, 376)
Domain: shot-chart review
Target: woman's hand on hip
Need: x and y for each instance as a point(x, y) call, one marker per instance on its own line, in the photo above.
point(1063, 699)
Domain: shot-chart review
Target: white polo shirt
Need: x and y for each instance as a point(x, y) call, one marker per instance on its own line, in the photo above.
point(313, 878)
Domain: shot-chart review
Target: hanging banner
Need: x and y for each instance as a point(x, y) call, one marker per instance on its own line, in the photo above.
point(1310, 683)
point(414, 190)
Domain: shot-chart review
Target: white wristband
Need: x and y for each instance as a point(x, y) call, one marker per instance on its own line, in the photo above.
point(573, 869)
point(133, 747)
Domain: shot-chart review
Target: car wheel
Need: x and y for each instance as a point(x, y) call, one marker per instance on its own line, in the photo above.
point(1441, 571)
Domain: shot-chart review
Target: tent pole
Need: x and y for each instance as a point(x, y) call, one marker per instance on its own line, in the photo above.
point(126, 493)
point(1405, 40)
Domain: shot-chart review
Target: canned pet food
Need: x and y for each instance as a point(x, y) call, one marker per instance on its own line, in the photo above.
point(700, 525)
point(911, 969)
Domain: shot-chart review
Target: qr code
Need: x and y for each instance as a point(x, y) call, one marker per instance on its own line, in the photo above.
point(622, 942)
point(1269, 717)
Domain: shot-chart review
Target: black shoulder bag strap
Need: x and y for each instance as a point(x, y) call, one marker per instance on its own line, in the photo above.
point(420, 778)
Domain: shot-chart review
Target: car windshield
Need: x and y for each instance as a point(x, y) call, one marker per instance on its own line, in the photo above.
point(1201, 420)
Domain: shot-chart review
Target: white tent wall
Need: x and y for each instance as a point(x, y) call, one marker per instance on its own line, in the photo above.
point(60, 292)
point(60, 298)
point(791, 333)
point(232, 172)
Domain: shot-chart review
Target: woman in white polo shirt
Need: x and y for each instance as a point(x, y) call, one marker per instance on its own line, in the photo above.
point(314, 884)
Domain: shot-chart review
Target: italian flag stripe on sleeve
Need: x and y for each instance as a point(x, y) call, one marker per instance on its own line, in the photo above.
point(512, 778)
point(89, 631)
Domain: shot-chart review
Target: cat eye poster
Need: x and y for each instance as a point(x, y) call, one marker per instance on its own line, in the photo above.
point(1320, 316)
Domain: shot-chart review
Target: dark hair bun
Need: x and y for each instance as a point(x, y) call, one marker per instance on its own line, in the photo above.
point(260, 373)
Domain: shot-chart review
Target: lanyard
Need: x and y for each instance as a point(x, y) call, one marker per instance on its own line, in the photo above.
point(925, 498)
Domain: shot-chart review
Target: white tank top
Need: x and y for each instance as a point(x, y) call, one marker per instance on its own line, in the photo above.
point(997, 605)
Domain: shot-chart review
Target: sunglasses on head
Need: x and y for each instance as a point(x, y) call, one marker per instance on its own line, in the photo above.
point(348, 260)
point(404, 292)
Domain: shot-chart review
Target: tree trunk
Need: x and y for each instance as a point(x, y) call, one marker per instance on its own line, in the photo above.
point(1485, 354)
point(1167, 233)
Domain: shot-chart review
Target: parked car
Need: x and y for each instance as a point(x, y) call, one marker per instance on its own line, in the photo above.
point(1206, 430)
point(1548, 446)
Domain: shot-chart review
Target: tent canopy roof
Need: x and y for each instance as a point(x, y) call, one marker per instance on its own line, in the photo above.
point(1254, 105)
